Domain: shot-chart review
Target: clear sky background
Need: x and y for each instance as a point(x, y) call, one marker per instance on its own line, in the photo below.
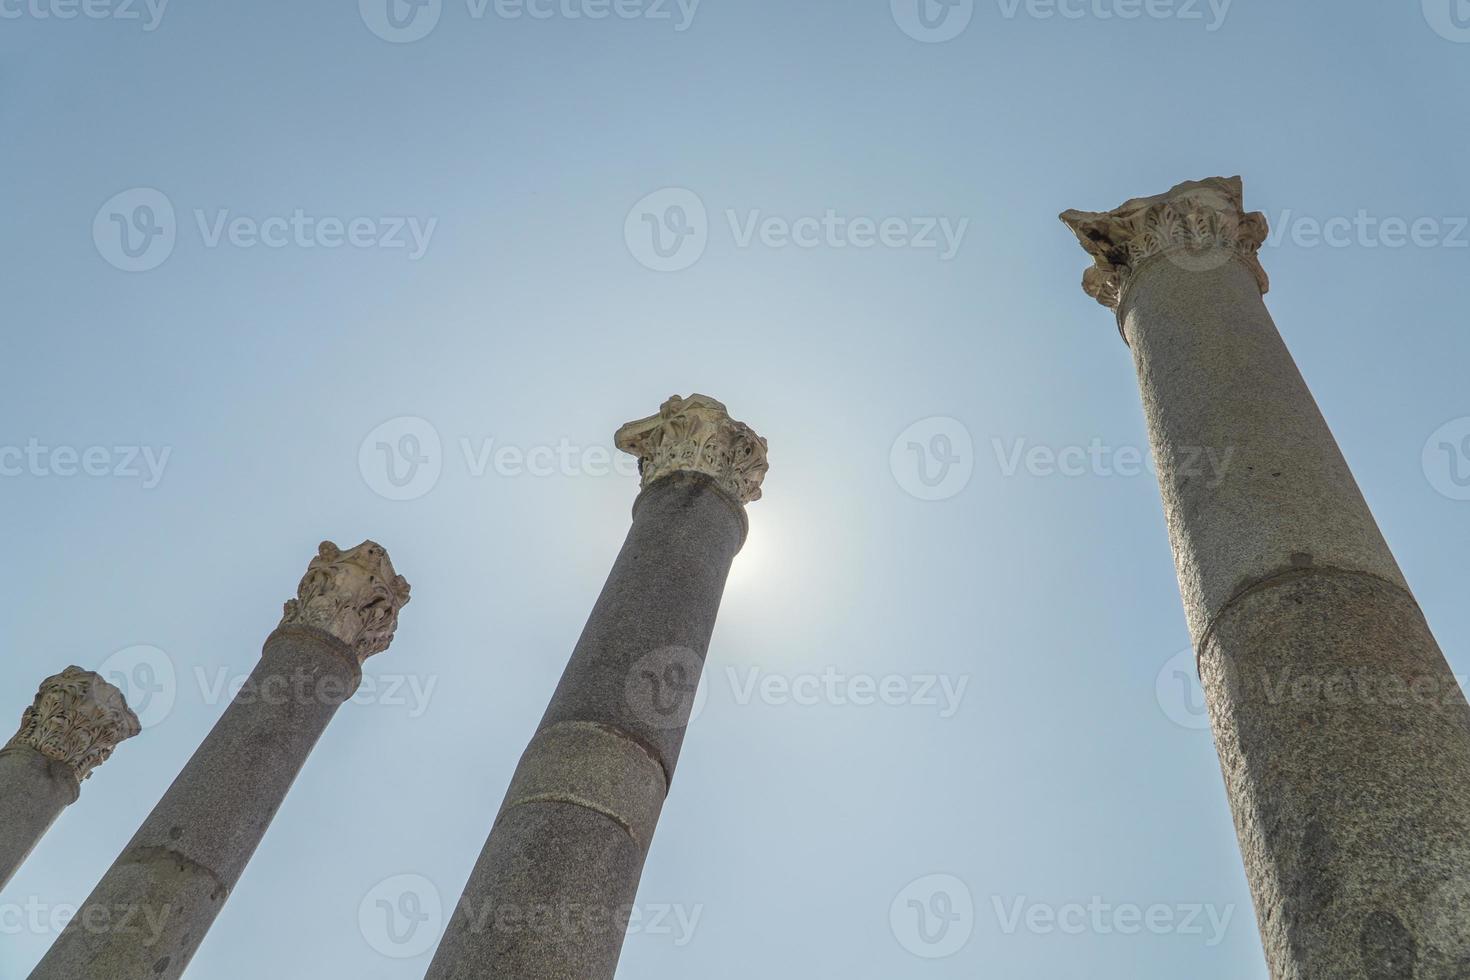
point(1072, 771)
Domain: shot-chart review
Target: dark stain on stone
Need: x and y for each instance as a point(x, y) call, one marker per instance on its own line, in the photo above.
point(174, 833)
point(1387, 948)
point(1314, 887)
point(161, 965)
point(1301, 559)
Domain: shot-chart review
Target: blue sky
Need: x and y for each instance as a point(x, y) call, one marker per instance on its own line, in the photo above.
point(347, 229)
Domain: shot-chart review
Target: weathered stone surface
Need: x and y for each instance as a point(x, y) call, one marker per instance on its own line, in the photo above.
point(596, 767)
point(649, 630)
point(354, 595)
point(77, 719)
point(576, 823)
point(1352, 814)
point(73, 725)
point(1345, 741)
point(549, 899)
point(181, 865)
point(1252, 479)
point(33, 792)
point(184, 860)
point(1198, 222)
point(697, 435)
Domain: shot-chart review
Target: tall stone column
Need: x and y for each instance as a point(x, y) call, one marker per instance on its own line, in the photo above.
point(551, 893)
point(1343, 737)
point(72, 727)
point(150, 912)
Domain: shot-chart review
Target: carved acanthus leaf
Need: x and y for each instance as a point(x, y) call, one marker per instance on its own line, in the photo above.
point(1194, 217)
point(77, 719)
point(355, 595)
point(697, 435)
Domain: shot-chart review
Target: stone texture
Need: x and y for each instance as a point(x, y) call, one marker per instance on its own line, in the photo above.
point(1196, 222)
point(576, 823)
point(77, 719)
point(662, 595)
point(1217, 379)
point(593, 766)
point(181, 865)
point(33, 792)
point(1343, 733)
point(549, 899)
point(354, 595)
point(75, 722)
point(1351, 812)
point(697, 435)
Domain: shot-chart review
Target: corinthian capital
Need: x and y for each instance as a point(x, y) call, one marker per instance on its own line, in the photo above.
point(1195, 217)
point(77, 719)
point(697, 435)
point(354, 595)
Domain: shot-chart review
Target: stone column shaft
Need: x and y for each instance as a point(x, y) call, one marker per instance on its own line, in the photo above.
point(1343, 737)
point(551, 893)
point(175, 874)
point(76, 721)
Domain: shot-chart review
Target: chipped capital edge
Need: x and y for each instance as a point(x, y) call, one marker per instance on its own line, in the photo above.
point(697, 435)
point(77, 719)
point(354, 595)
point(1194, 215)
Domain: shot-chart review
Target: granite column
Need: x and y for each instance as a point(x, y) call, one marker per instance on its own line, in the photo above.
point(1343, 737)
point(76, 721)
point(173, 878)
point(553, 888)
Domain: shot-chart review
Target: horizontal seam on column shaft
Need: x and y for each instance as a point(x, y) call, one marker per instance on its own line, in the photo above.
point(573, 800)
point(156, 853)
point(1283, 576)
point(616, 732)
